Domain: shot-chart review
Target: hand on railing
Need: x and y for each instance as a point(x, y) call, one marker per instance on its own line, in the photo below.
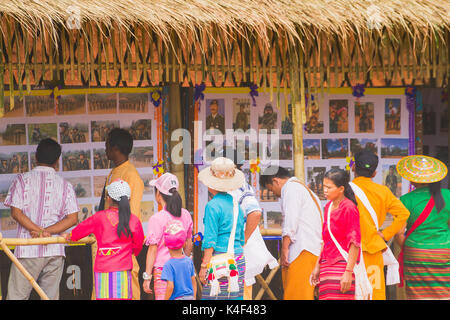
point(40, 234)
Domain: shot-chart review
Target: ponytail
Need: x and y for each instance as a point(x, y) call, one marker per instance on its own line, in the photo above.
point(435, 190)
point(124, 217)
point(349, 194)
point(173, 203)
point(341, 178)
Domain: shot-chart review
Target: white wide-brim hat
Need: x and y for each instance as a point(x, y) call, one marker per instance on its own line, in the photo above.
point(222, 175)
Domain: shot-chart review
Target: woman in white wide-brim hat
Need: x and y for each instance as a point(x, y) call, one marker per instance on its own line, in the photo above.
point(220, 178)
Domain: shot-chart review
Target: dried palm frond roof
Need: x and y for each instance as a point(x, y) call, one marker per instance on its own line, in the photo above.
point(297, 20)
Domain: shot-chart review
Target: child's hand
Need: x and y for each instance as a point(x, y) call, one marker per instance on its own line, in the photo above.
point(66, 236)
point(146, 286)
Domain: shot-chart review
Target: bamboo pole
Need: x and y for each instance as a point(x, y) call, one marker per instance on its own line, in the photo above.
point(44, 241)
point(264, 284)
point(268, 280)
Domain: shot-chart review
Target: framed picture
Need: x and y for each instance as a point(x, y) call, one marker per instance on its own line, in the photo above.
point(392, 116)
point(39, 106)
point(314, 180)
point(338, 116)
point(100, 103)
point(75, 160)
point(268, 119)
point(392, 179)
point(81, 186)
point(40, 131)
point(311, 149)
point(357, 145)
point(13, 162)
point(71, 104)
point(215, 115)
point(241, 114)
point(364, 117)
point(73, 132)
point(334, 148)
point(13, 134)
point(394, 148)
point(133, 102)
point(101, 129)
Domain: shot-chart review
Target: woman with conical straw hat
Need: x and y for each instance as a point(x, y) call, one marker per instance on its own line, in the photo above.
point(425, 256)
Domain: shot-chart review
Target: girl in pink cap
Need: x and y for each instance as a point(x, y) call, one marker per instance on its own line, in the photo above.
point(167, 196)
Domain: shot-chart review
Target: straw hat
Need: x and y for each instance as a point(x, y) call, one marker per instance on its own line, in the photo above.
point(222, 175)
point(421, 169)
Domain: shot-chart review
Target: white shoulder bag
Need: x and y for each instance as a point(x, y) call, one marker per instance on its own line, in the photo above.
point(363, 287)
point(393, 275)
point(224, 264)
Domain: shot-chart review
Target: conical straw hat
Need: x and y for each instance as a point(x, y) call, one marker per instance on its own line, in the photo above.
point(421, 169)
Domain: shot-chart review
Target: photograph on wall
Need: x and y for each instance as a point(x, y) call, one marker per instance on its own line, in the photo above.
point(357, 145)
point(4, 188)
point(99, 183)
point(274, 219)
point(147, 210)
point(71, 104)
point(17, 111)
point(133, 102)
point(285, 149)
point(141, 157)
point(392, 179)
point(100, 159)
point(13, 162)
point(266, 195)
point(311, 149)
point(215, 115)
point(313, 125)
point(39, 131)
point(81, 186)
point(73, 132)
point(101, 129)
point(39, 106)
point(75, 160)
point(33, 161)
point(139, 129)
point(394, 148)
point(213, 150)
point(286, 119)
point(7, 222)
point(146, 178)
point(364, 117)
point(338, 116)
point(429, 120)
point(12, 134)
point(314, 180)
point(85, 212)
point(334, 148)
point(241, 114)
point(268, 119)
point(392, 116)
point(100, 103)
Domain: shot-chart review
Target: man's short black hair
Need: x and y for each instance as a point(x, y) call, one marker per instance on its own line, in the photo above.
point(265, 178)
point(121, 139)
point(366, 162)
point(48, 151)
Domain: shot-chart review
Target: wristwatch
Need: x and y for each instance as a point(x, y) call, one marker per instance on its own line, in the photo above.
point(146, 276)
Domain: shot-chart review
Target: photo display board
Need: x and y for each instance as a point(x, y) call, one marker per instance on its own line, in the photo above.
point(79, 119)
point(338, 126)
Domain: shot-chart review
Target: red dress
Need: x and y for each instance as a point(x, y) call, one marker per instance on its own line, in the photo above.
point(346, 229)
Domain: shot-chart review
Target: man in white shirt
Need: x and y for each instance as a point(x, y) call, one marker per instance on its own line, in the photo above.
point(301, 232)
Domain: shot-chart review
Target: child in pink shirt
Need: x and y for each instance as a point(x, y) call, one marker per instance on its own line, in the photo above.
point(119, 235)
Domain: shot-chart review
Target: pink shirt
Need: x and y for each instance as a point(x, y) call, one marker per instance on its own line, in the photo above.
point(113, 253)
point(45, 198)
point(156, 225)
point(345, 228)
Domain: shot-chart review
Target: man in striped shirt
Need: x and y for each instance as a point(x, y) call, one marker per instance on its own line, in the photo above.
point(43, 204)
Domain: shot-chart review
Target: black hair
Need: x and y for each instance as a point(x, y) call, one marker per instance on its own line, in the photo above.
point(366, 163)
point(124, 217)
point(341, 178)
point(121, 139)
point(174, 202)
point(266, 177)
point(435, 190)
point(48, 151)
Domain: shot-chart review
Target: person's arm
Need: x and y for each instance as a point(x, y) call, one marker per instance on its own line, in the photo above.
point(169, 290)
point(252, 223)
point(400, 214)
point(194, 287)
point(26, 222)
point(346, 280)
point(151, 256)
point(206, 258)
point(138, 238)
point(65, 223)
point(83, 229)
point(188, 247)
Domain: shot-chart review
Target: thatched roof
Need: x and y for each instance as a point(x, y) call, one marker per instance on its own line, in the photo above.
point(296, 19)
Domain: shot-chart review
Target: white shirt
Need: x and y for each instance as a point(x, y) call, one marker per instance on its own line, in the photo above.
point(301, 219)
point(45, 198)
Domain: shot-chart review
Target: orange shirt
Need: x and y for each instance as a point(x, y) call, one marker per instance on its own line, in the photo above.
point(126, 171)
point(382, 201)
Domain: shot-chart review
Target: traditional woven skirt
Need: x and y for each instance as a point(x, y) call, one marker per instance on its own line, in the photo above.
point(223, 283)
point(330, 282)
point(427, 273)
point(159, 285)
point(113, 285)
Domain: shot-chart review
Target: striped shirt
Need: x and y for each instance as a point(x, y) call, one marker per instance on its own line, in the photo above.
point(45, 198)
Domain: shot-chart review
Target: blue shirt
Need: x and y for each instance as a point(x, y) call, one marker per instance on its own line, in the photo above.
point(218, 222)
point(179, 271)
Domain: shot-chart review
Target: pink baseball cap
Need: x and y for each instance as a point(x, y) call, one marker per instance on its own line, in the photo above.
point(166, 182)
point(174, 235)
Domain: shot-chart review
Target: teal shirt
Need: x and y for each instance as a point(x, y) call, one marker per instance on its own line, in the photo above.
point(218, 222)
point(434, 232)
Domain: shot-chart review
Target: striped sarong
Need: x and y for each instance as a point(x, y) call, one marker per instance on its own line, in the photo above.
point(159, 285)
point(113, 285)
point(223, 283)
point(330, 282)
point(427, 273)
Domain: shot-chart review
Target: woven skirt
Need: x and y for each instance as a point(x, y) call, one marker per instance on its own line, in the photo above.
point(427, 273)
point(113, 285)
point(223, 283)
point(330, 282)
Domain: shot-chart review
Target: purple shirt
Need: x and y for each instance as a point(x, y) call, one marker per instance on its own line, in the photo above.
point(45, 198)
